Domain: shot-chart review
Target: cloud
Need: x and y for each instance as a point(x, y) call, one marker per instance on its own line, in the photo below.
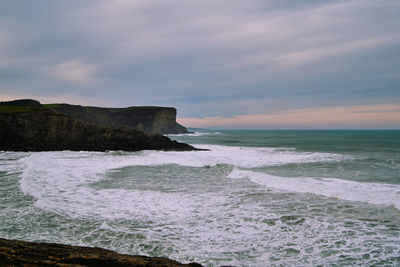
point(298, 58)
point(207, 58)
point(350, 117)
point(296, 37)
point(75, 71)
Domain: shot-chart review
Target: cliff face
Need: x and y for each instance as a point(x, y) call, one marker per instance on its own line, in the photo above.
point(21, 253)
point(34, 128)
point(160, 120)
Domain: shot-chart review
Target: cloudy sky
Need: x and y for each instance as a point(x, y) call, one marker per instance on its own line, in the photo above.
point(223, 64)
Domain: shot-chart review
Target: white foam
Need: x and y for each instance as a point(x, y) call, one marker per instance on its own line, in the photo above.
point(56, 178)
point(9, 161)
point(246, 157)
point(209, 224)
point(60, 181)
point(374, 193)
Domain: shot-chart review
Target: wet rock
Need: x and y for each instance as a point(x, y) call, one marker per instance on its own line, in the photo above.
point(21, 253)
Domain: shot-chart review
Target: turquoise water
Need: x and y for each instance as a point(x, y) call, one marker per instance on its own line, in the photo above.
point(375, 154)
point(257, 198)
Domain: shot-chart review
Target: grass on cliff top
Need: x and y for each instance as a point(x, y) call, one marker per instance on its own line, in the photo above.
point(50, 105)
point(17, 109)
point(144, 108)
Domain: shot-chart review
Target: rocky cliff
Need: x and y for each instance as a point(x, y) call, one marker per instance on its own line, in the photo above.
point(20, 253)
point(160, 120)
point(25, 125)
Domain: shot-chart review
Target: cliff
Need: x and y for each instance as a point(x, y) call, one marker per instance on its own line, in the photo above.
point(160, 120)
point(25, 125)
point(21, 253)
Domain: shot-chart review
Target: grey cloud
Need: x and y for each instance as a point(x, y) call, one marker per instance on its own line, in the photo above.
point(215, 57)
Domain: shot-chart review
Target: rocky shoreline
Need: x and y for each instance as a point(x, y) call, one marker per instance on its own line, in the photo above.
point(22, 253)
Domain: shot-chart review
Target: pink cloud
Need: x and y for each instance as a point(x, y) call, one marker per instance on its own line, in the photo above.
point(368, 116)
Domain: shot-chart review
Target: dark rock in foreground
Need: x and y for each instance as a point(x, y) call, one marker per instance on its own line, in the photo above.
point(25, 125)
point(21, 253)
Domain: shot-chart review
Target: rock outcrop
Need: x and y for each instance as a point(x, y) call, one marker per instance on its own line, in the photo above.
point(25, 125)
point(160, 120)
point(21, 253)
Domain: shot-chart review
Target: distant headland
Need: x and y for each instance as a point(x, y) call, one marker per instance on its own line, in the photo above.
point(27, 125)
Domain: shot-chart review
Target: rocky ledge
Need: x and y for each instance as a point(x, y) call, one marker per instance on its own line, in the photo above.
point(21, 253)
point(26, 125)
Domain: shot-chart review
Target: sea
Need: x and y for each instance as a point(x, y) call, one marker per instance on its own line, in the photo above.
point(254, 198)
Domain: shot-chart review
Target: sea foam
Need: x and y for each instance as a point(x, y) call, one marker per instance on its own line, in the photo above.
point(242, 216)
point(60, 181)
point(246, 157)
point(374, 193)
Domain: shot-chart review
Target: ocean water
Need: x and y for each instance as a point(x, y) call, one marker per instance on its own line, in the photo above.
point(256, 198)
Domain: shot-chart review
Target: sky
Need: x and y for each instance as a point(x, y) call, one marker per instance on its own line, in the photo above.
point(260, 64)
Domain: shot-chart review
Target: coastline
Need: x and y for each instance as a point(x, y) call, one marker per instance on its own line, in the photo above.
point(27, 125)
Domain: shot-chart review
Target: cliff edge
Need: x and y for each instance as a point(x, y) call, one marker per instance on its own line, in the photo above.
point(161, 120)
point(26, 125)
